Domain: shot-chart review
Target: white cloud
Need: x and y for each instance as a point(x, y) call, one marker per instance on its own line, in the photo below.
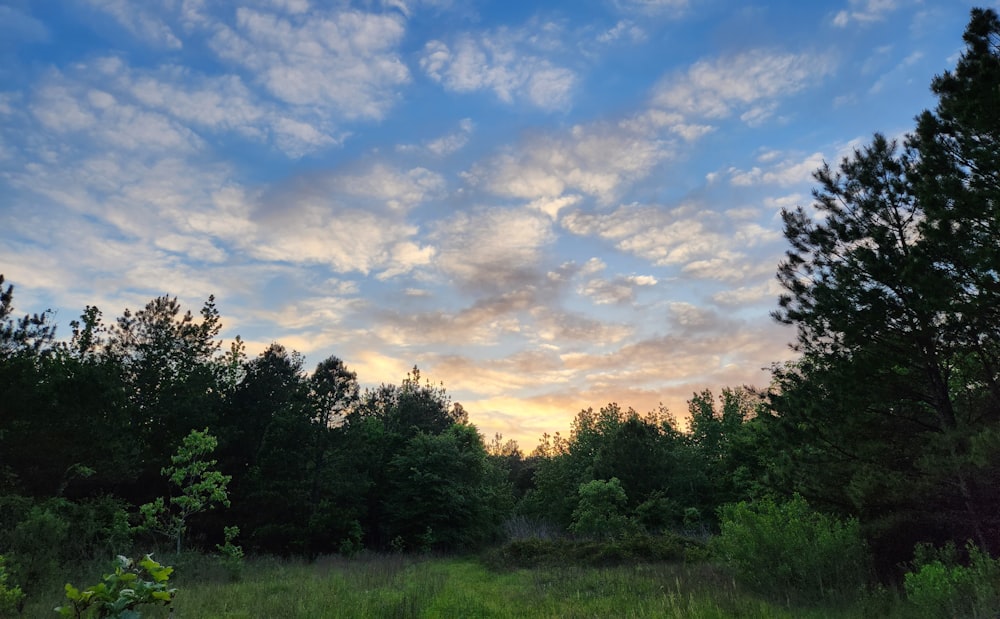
point(751, 81)
point(110, 96)
point(596, 160)
point(351, 221)
point(496, 61)
point(743, 296)
point(138, 19)
point(652, 7)
point(619, 290)
point(784, 173)
point(67, 108)
point(624, 29)
point(344, 62)
point(445, 145)
point(703, 244)
point(664, 237)
point(864, 12)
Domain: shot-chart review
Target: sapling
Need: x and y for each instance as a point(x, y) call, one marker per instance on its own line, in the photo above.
point(201, 488)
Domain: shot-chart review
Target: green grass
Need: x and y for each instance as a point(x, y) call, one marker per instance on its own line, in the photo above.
point(396, 586)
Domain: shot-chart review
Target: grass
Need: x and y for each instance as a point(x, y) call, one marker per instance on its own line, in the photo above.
point(396, 586)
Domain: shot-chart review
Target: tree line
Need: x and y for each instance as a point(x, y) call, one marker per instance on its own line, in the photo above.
point(890, 414)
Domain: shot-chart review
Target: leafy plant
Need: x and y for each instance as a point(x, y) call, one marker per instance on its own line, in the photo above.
point(202, 488)
point(788, 549)
point(118, 594)
point(941, 587)
point(230, 554)
point(599, 512)
point(11, 596)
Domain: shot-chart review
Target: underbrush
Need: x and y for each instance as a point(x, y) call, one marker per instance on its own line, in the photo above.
point(551, 552)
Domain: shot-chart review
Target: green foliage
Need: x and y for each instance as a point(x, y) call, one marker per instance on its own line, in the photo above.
point(438, 484)
point(938, 586)
point(38, 542)
point(788, 549)
point(120, 593)
point(631, 548)
point(11, 596)
point(201, 487)
point(891, 283)
point(599, 514)
point(231, 554)
point(351, 545)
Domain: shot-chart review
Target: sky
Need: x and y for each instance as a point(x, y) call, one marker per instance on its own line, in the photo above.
point(545, 206)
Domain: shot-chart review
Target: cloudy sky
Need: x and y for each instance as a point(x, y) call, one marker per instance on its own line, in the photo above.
point(544, 205)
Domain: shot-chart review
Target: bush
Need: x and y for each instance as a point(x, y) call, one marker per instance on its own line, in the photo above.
point(788, 550)
point(11, 596)
point(130, 586)
point(940, 587)
point(38, 542)
point(528, 553)
point(599, 512)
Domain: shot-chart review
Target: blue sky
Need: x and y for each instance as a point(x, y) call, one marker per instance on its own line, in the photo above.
point(544, 205)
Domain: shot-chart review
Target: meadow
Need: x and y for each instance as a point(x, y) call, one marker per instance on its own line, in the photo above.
point(399, 586)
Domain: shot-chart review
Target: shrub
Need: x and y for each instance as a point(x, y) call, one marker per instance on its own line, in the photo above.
point(11, 596)
point(789, 550)
point(231, 554)
point(121, 592)
point(529, 553)
point(939, 586)
point(599, 512)
point(38, 542)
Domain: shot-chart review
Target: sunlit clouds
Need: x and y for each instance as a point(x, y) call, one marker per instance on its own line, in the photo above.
point(545, 207)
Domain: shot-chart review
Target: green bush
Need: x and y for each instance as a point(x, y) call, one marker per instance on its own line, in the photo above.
point(599, 512)
point(231, 554)
point(119, 593)
point(789, 550)
point(939, 586)
point(38, 537)
point(38, 542)
point(535, 552)
point(11, 596)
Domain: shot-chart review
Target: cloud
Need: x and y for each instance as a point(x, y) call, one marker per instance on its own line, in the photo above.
point(624, 29)
point(662, 236)
point(492, 248)
point(749, 295)
point(596, 160)
point(350, 221)
point(864, 12)
point(107, 95)
point(784, 173)
point(445, 145)
point(702, 243)
point(617, 291)
point(750, 82)
point(483, 323)
point(497, 61)
point(342, 62)
point(137, 18)
point(652, 7)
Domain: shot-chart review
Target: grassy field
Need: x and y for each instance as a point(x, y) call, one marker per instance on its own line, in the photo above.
point(397, 586)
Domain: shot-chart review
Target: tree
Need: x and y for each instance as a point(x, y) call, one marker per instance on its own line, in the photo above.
point(201, 487)
point(891, 412)
point(439, 490)
point(167, 361)
point(601, 510)
point(32, 334)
